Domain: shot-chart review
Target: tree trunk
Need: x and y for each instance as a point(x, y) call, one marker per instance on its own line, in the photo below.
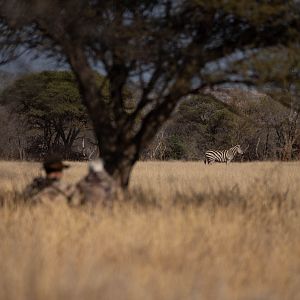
point(121, 172)
point(119, 157)
point(120, 143)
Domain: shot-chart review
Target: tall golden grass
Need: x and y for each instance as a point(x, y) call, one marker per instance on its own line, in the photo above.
point(190, 231)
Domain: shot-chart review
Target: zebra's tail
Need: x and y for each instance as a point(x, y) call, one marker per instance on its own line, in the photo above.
point(205, 161)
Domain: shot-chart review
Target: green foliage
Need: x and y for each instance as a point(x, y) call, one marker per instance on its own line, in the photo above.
point(176, 147)
point(201, 123)
point(264, 127)
point(46, 95)
point(51, 106)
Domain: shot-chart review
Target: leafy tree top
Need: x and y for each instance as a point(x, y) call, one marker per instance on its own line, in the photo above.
point(46, 95)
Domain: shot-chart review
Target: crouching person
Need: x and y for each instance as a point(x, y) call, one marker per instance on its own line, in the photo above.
point(97, 187)
point(51, 187)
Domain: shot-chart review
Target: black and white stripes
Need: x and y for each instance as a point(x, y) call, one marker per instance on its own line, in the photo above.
point(227, 156)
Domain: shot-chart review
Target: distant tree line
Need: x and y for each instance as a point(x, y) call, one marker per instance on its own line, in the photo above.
point(263, 126)
point(43, 112)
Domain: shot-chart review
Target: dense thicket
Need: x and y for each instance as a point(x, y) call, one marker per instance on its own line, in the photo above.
point(265, 128)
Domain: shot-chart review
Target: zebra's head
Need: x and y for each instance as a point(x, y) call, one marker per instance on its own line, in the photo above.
point(239, 149)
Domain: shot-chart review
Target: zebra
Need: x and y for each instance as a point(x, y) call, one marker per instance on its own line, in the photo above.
point(227, 156)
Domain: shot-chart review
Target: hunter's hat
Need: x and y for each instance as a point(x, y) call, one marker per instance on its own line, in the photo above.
point(54, 163)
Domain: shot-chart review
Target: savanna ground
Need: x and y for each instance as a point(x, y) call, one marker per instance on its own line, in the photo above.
point(190, 231)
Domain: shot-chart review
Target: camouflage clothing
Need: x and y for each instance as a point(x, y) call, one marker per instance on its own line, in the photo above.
point(96, 187)
point(46, 189)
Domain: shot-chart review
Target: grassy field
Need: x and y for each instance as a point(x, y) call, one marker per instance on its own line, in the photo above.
point(190, 231)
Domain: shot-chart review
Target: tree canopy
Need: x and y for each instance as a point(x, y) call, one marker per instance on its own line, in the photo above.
point(46, 95)
point(49, 102)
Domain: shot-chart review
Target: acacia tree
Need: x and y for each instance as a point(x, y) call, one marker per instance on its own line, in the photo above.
point(165, 49)
point(50, 104)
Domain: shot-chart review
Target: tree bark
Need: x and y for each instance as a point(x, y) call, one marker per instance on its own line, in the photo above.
point(120, 144)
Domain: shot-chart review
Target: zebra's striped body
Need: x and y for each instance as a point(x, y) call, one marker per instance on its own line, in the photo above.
point(223, 156)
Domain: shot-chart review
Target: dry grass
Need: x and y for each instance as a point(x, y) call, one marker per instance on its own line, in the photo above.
point(218, 232)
